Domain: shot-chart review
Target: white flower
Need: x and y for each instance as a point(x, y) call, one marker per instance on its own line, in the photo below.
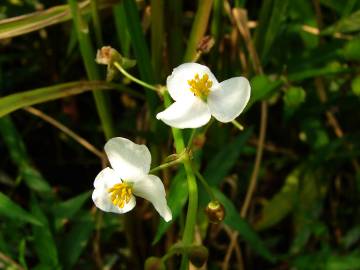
point(115, 187)
point(198, 95)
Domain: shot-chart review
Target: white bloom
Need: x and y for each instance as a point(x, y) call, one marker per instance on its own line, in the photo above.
point(115, 187)
point(198, 95)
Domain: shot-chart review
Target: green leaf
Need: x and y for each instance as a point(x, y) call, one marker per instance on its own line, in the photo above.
point(262, 88)
point(220, 165)
point(280, 204)
point(11, 210)
point(272, 15)
point(355, 86)
point(75, 241)
point(345, 25)
point(16, 147)
point(294, 96)
point(233, 220)
point(176, 199)
point(66, 210)
point(351, 50)
point(43, 239)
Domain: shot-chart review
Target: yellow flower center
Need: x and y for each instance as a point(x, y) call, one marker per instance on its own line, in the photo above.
point(200, 86)
point(120, 194)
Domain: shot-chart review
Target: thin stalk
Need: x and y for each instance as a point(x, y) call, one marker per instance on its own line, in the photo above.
point(198, 29)
point(88, 55)
point(190, 222)
point(167, 165)
point(134, 79)
point(83, 142)
point(238, 125)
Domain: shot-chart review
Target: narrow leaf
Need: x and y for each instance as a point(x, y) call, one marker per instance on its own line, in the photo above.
point(12, 210)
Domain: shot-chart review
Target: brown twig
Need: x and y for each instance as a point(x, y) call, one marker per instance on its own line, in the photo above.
point(239, 16)
point(66, 130)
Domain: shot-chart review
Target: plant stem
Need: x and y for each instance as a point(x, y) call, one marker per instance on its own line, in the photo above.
point(190, 222)
point(134, 79)
point(238, 125)
point(167, 165)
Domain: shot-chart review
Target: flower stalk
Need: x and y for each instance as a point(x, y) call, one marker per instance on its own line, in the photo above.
point(134, 79)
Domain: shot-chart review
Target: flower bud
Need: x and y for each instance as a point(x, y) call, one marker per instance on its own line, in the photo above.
point(106, 55)
point(154, 263)
point(215, 212)
point(198, 255)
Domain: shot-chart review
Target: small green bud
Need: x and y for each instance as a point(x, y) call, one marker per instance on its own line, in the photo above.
point(351, 50)
point(198, 255)
point(294, 96)
point(355, 86)
point(154, 263)
point(215, 212)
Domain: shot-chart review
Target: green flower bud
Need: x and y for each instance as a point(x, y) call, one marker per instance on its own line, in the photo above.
point(154, 263)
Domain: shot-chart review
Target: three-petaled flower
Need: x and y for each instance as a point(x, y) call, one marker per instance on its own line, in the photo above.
point(115, 187)
point(198, 95)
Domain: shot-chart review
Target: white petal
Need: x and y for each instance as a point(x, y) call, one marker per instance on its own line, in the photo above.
point(128, 159)
point(106, 179)
point(177, 82)
point(191, 113)
point(230, 99)
point(152, 189)
point(102, 200)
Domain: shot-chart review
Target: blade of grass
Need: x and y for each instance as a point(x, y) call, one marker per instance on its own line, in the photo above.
point(96, 22)
point(175, 32)
point(157, 35)
point(28, 23)
point(121, 28)
point(16, 147)
point(272, 15)
point(198, 28)
point(141, 51)
point(20, 100)
point(88, 55)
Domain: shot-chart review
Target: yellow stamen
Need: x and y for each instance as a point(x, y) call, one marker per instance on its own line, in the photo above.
point(200, 87)
point(120, 194)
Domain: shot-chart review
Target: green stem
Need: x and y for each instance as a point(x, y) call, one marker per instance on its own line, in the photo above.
point(134, 79)
point(190, 222)
point(237, 124)
point(167, 165)
point(198, 29)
